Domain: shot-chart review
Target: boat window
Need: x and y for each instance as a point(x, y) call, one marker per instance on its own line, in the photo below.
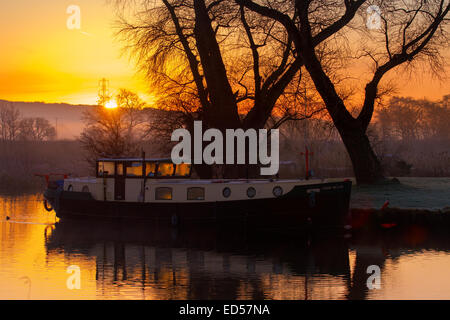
point(277, 191)
point(107, 167)
point(196, 193)
point(183, 170)
point(134, 169)
point(165, 169)
point(251, 192)
point(120, 168)
point(163, 193)
point(150, 169)
point(226, 192)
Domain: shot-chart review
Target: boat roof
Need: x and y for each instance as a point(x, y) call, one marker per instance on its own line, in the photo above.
point(136, 159)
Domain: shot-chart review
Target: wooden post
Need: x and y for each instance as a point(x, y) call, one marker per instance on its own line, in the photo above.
point(145, 175)
point(307, 154)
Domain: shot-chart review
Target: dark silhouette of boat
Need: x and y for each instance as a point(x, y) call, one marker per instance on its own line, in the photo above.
point(158, 189)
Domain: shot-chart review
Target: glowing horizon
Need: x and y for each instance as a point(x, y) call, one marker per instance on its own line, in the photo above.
point(44, 60)
point(111, 104)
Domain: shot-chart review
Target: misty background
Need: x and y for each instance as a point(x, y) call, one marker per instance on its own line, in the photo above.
point(411, 137)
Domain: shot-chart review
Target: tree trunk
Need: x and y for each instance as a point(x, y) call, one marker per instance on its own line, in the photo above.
point(222, 112)
point(366, 166)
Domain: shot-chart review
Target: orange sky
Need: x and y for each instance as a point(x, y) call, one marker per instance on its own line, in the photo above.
point(42, 60)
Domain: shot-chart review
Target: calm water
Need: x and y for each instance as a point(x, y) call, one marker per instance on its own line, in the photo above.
point(145, 262)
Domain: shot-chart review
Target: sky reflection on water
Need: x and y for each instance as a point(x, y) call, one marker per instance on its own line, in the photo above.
point(142, 261)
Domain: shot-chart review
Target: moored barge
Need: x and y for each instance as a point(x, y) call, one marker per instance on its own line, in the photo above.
point(157, 189)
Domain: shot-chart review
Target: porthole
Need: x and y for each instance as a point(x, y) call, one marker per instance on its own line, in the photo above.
point(251, 192)
point(226, 192)
point(70, 187)
point(85, 189)
point(277, 191)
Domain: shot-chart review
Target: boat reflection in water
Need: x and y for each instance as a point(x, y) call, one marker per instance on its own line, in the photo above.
point(206, 263)
point(145, 261)
point(142, 261)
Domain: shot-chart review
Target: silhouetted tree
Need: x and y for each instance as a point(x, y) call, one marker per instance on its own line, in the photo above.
point(231, 61)
point(14, 127)
point(114, 132)
point(9, 122)
point(213, 60)
point(36, 129)
point(408, 119)
point(409, 31)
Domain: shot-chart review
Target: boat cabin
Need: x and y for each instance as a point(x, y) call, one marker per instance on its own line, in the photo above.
point(142, 168)
point(162, 181)
point(122, 170)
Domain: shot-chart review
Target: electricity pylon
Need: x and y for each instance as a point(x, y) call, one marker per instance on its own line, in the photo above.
point(103, 92)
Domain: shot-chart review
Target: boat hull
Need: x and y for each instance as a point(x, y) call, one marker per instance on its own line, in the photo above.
point(326, 205)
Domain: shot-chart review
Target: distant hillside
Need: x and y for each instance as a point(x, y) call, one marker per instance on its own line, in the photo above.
point(67, 117)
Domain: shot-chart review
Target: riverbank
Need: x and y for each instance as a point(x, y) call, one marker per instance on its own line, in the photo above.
point(21, 160)
point(412, 201)
point(423, 202)
point(411, 193)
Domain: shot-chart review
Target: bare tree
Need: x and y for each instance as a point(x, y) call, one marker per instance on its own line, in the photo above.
point(114, 132)
point(9, 122)
point(231, 61)
point(215, 60)
point(410, 32)
point(36, 129)
point(408, 119)
point(437, 118)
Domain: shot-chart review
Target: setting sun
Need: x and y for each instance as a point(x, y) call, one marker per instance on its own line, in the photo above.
point(111, 104)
